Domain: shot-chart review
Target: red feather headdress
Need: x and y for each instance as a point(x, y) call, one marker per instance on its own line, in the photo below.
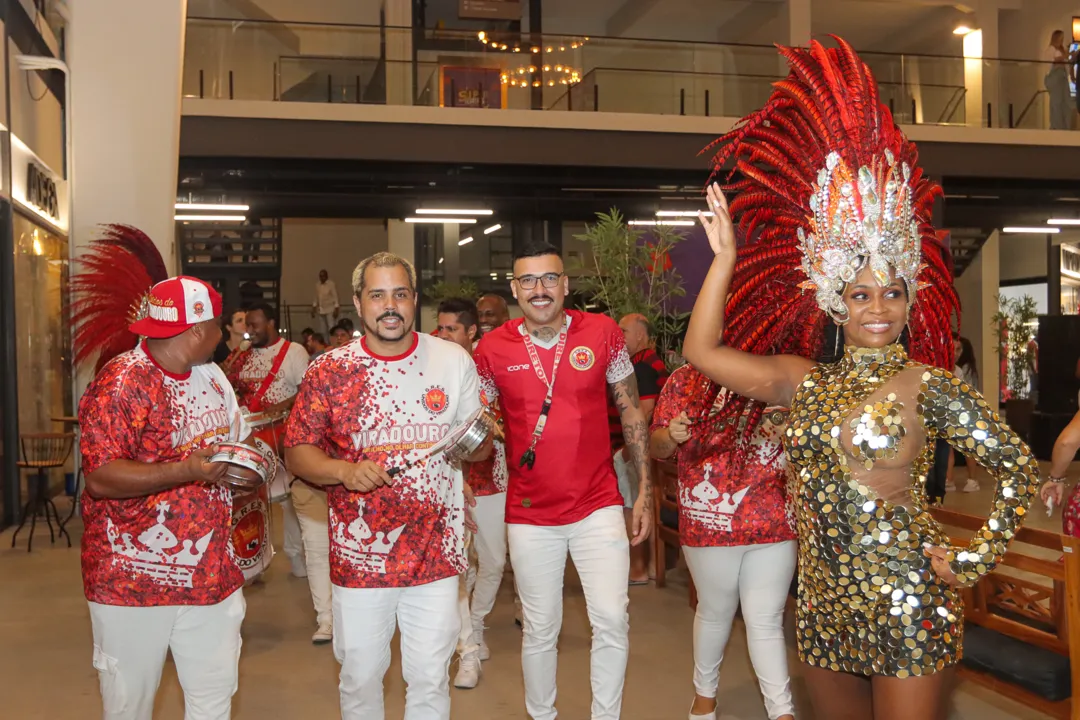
point(827, 105)
point(115, 275)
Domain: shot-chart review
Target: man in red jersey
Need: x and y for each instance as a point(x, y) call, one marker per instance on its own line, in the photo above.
point(365, 416)
point(487, 482)
point(158, 569)
point(552, 372)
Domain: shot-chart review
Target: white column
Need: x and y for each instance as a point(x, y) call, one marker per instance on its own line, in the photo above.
point(978, 289)
point(987, 14)
point(798, 20)
point(400, 239)
point(126, 116)
point(974, 109)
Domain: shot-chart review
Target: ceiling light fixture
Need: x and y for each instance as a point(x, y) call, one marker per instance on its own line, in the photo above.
point(210, 206)
point(681, 213)
point(210, 218)
point(441, 220)
point(464, 241)
point(492, 229)
point(961, 30)
point(447, 211)
point(683, 223)
point(1063, 221)
point(1020, 230)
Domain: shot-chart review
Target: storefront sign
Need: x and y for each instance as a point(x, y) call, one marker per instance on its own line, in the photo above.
point(36, 187)
point(41, 190)
point(472, 87)
point(489, 9)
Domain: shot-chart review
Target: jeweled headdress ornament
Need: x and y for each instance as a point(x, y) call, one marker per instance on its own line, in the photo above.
point(829, 184)
point(110, 291)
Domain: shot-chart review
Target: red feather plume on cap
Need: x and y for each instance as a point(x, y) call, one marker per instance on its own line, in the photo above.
point(828, 103)
point(115, 274)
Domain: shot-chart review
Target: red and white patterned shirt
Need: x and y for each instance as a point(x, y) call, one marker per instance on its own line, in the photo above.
point(488, 477)
point(257, 364)
point(573, 475)
point(717, 507)
point(172, 547)
point(355, 405)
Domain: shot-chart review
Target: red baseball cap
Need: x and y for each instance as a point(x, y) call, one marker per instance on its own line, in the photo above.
point(174, 305)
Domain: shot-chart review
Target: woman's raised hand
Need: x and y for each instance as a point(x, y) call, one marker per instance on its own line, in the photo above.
point(718, 227)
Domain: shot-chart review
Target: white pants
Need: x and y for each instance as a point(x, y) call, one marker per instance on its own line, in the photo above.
point(313, 514)
point(326, 321)
point(601, 554)
point(364, 621)
point(130, 644)
point(293, 538)
point(758, 577)
point(490, 544)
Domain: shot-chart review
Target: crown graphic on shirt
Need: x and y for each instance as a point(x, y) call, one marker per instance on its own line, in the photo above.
point(710, 507)
point(152, 552)
point(364, 548)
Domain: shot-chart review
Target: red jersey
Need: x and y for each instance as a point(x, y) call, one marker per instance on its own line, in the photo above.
point(172, 547)
point(355, 405)
point(488, 477)
point(573, 475)
point(651, 374)
point(716, 507)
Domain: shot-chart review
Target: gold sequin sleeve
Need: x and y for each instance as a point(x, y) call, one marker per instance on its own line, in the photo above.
point(953, 410)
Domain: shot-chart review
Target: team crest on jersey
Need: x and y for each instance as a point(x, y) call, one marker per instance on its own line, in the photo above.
point(582, 358)
point(435, 400)
point(217, 387)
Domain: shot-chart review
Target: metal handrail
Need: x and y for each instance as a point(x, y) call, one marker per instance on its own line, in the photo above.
point(958, 95)
point(1028, 106)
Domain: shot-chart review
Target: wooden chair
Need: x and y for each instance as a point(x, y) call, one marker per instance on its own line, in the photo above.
point(42, 452)
point(665, 520)
point(1045, 615)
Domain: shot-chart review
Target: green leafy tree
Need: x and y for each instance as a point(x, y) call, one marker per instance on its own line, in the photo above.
point(442, 290)
point(632, 275)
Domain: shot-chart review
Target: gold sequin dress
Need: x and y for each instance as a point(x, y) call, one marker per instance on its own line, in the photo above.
point(860, 440)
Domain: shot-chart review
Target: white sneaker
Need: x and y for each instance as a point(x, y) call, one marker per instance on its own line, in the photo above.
point(972, 485)
point(483, 652)
point(298, 566)
point(323, 635)
point(706, 716)
point(950, 486)
point(468, 672)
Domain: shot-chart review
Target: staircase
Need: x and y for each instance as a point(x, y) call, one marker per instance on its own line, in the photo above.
point(965, 244)
point(243, 262)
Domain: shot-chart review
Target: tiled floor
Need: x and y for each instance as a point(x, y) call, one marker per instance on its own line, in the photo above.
point(46, 673)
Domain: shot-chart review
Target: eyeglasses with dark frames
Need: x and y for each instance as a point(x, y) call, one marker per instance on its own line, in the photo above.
point(548, 280)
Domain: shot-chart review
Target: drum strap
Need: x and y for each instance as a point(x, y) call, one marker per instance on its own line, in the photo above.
point(257, 400)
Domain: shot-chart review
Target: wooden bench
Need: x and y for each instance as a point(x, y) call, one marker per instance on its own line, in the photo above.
point(666, 520)
point(1018, 627)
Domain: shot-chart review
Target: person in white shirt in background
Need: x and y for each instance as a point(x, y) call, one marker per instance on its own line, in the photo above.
point(486, 495)
point(326, 304)
point(1057, 81)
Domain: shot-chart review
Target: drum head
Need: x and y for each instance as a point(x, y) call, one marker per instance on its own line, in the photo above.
point(456, 433)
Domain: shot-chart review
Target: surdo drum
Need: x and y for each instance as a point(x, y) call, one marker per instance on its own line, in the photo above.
point(248, 475)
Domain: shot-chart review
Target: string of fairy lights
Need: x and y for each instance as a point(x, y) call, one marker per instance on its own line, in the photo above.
point(548, 58)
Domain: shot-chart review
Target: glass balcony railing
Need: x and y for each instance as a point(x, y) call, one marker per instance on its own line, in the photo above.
point(306, 62)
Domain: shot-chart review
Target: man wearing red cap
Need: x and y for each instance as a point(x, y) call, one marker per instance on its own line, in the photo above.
point(158, 570)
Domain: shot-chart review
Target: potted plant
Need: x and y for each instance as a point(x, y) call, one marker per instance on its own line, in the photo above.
point(1015, 324)
point(632, 272)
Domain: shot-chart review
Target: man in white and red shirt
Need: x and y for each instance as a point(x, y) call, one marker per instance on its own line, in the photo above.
point(458, 323)
point(365, 415)
point(552, 372)
point(737, 535)
point(158, 569)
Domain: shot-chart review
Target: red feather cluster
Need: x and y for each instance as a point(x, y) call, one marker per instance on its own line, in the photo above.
point(828, 103)
point(114, 275)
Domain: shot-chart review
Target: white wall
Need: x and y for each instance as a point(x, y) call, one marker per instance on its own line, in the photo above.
point(337, 246)
point(1022, 256)
point(36, 117)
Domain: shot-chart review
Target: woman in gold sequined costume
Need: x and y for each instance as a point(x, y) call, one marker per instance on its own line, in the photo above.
point(832, 201)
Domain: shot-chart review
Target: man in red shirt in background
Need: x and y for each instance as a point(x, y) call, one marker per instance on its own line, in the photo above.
point(551, 372)
point(651, 373)
point(158, 571)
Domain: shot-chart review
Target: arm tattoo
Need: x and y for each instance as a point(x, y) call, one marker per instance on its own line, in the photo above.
point(635, 432)
point(662, 446)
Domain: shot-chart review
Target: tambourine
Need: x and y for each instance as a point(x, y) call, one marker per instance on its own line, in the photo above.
point(248, 467)
point(462, 440)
